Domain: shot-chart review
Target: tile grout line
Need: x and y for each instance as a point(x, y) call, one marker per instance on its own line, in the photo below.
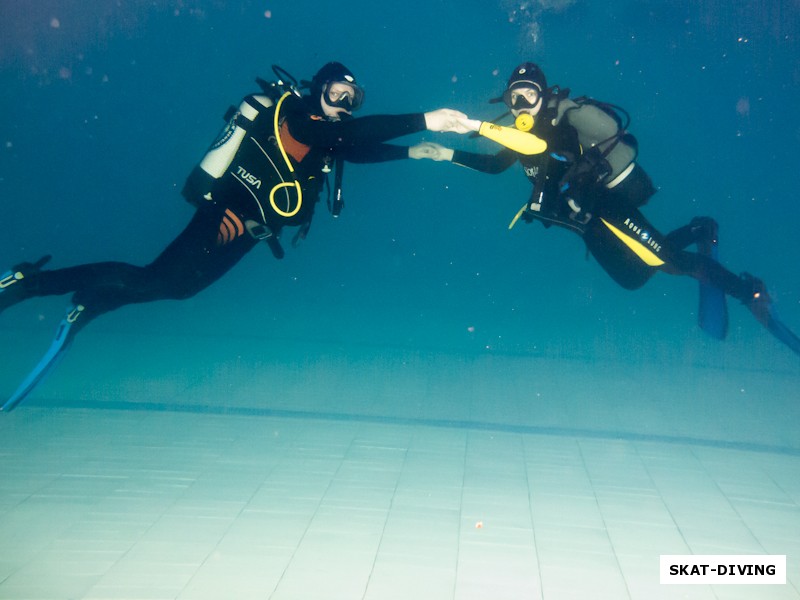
point(311, 518)
point(530, 514)
point(388, 516)
point(667, 508)
point(233, 520)
point(602, 518)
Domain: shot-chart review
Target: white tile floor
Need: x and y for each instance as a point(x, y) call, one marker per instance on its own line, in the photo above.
point(111, 504)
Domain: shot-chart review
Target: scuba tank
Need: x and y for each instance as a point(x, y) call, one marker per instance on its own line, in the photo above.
point(220, 155)
point(601, 129)
point(218, 158)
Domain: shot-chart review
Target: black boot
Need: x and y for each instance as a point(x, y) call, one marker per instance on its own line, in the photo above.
point(19, 283)
point(756, 298)
point(701, 231)
point(704, 232)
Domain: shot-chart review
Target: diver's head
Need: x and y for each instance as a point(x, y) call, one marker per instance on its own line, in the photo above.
point(334, 87)
point(525, 90)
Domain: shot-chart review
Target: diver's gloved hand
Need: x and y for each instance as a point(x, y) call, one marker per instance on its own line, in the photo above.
point(431, 151)
point(581, 209)
point(581, 199)
point(588, 171)
point(448, 120)
point(580, 185)
point(579, 194)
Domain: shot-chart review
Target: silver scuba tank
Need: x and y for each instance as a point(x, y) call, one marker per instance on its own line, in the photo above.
point(596, 128)
point(220, 155)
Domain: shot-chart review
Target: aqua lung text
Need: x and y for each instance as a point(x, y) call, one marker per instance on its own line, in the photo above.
point(643, 235)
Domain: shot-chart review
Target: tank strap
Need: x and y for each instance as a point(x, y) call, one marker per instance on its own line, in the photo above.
point(241, 120)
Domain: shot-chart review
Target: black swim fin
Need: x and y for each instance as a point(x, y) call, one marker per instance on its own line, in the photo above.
point(64, 335)
point(763, 309)
point(782, 332)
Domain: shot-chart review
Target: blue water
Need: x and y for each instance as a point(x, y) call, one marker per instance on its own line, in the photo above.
point(106, 107)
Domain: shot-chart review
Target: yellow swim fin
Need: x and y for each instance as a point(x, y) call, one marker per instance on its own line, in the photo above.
point(517, 216)
point(514, 139)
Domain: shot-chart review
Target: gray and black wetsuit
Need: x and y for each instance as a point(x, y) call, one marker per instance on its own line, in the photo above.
point(618, 206)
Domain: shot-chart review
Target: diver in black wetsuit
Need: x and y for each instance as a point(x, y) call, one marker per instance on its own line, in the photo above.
point(264, 172)
point(242, 205)
point(588, 182)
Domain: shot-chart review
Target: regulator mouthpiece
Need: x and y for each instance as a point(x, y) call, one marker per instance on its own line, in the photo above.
point(524, 122)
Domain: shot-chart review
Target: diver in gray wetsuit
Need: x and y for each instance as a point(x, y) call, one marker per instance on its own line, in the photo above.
point(588, 182)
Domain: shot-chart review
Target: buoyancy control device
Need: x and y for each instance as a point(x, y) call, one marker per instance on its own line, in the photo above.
point(606, 157)
point(285, 196)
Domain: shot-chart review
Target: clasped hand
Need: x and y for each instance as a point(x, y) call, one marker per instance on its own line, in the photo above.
point(431, 151)
point(449, 121)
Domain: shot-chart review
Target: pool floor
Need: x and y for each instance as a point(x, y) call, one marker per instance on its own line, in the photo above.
point(156, 504)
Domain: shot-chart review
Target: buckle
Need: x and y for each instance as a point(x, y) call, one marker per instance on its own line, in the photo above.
point(258, 230)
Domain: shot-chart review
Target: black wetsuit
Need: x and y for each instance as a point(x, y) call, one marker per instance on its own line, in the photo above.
point(617, 206)
point(217, 237)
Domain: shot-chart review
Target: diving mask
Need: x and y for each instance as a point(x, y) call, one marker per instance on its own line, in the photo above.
point(519, 98)
point(343, 94)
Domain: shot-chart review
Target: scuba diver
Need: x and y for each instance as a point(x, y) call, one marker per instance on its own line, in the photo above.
point(586, 179)
point(264, 172)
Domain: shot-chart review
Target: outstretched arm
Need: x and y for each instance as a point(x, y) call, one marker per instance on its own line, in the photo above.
point(374, 153)
point(373, 129)
point(486, 163)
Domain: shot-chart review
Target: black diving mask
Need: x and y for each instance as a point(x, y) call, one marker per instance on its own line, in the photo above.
point(350, 99)
point(520, 101)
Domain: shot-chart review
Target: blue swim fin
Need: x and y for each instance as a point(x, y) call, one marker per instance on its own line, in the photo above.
point(713, 310)
point(58, 347)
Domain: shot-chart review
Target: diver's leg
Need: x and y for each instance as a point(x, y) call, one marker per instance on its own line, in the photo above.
point(749, 290)
point(196, 258)
point(604, 240)
point(34, 282)
point(213, 243)
point(702, 231)
point(622, 265)
point(15, 284)
point(712, 311)
point(630, 249)
point(705, 270)
point(201, 254)
point(759, 303)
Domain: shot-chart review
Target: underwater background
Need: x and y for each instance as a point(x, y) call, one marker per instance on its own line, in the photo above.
point(417, 402)
point(418, 302)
